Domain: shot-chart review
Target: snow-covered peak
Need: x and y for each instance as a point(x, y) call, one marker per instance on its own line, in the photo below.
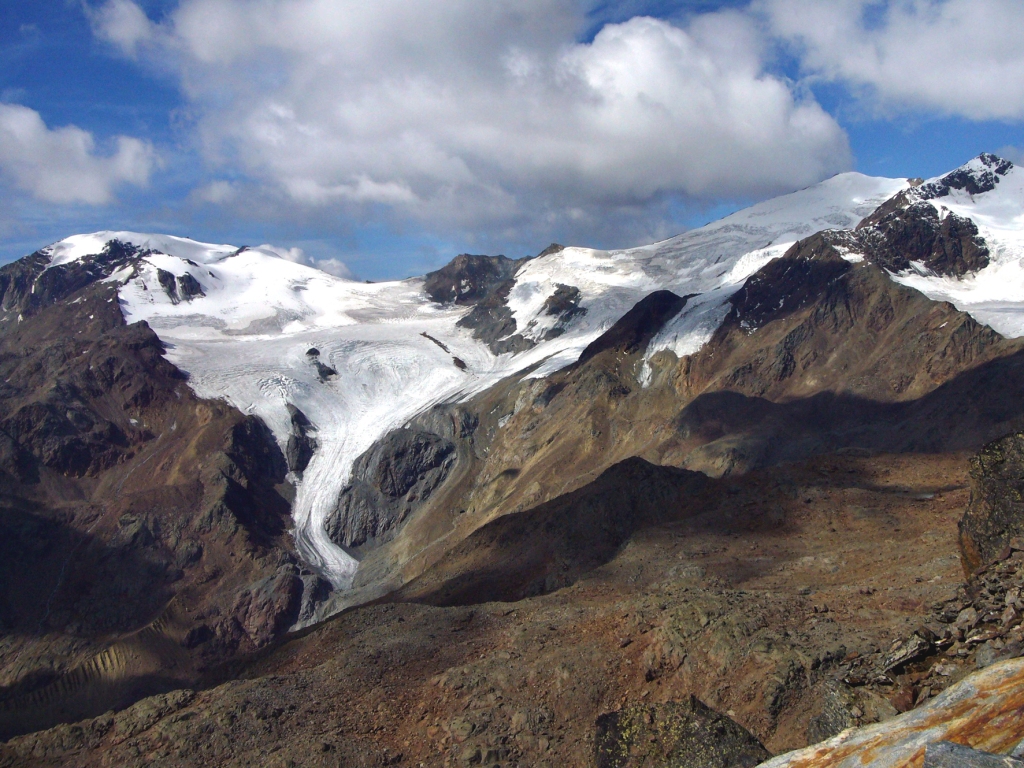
point(79, 246)
point(989, 191)
point(240, 321)
point(981, 175)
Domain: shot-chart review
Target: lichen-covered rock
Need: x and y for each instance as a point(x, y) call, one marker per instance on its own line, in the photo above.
point(685, 734)
point(996, 511)
point(946, 754)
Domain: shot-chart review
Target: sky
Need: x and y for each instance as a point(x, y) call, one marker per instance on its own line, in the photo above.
point(378, 140)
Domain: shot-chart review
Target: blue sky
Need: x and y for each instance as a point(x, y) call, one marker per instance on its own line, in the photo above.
point(360, 137)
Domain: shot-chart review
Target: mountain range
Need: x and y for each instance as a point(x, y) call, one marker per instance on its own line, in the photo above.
point(516, 512)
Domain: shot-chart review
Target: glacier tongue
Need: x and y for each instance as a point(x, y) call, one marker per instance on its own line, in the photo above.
point(245, 339)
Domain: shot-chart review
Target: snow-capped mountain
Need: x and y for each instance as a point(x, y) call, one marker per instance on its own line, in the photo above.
point(243, 331)
point(652, 452)
point(240, 321)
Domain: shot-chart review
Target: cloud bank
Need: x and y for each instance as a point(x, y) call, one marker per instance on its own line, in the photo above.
point(955, 57)
point(513, 122)
point(477, 115)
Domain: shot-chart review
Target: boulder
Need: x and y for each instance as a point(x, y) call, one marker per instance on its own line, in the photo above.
point(995, 514)
point(981, 712)
point(686, 734)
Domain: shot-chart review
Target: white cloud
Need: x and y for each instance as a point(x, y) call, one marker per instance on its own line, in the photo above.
point(331, 266)
point(217, 192)
point(123, 24)
point(486, 116)
point(959, 57)
point(334, 267)
point(61, 165)
point(1013, 154)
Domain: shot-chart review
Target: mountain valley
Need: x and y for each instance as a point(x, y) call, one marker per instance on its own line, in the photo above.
point(517, 512)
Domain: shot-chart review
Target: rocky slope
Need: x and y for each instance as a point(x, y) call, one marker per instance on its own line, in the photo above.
point(143, 530)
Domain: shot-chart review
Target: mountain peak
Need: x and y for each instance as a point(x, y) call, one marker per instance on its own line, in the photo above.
point(975, 177)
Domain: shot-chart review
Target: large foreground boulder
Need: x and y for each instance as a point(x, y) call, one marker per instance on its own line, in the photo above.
point(981, 712)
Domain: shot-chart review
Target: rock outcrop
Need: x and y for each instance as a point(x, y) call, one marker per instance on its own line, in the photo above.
point(980, 712)
point(302, 442)
point(995, 517)
point(388, 482)
point(468, 279)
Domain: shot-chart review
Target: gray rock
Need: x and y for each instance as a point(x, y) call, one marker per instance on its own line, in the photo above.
point(315, 591)
point(945, 754)
point(907, 651)
point(389, 481)
point(301, 442)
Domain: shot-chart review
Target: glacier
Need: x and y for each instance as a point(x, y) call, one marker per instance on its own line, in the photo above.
point(246, 339)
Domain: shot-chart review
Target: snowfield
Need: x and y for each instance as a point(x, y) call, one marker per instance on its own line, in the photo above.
point(246, 339)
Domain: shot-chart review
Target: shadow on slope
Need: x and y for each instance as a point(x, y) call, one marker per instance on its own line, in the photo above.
point(549, 547)
point(735, 432)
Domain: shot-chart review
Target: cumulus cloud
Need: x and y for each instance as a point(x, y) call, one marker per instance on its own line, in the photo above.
point(123, 24)
point(959, 57)
point(485, 115)
point(61, 165)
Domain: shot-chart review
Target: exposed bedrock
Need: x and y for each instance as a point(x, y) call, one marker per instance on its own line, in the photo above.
point(974, 181)
point(178, 289)
point(467, 279)
point(632, 332)
point(302, 442)
point(564, 305)
point(31, 284)
point(983, 177)
point(946, 245)
point(389, 481)
point(995, 516)
point(492, 322)
point(484, 283)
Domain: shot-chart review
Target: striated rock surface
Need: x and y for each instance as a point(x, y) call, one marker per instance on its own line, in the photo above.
point(982, 712)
